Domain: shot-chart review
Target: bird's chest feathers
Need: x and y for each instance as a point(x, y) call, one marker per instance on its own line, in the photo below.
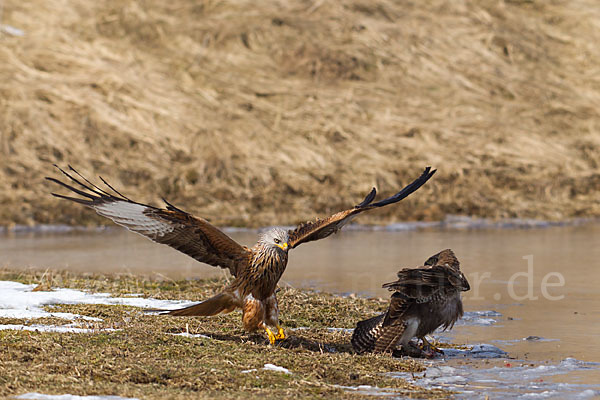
point(446, 307)
point(266, 270)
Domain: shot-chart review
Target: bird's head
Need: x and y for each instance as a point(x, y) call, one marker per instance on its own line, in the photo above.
point(276, 239)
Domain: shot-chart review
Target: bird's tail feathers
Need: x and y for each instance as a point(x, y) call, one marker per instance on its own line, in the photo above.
point(366, 333)
point(221, 303)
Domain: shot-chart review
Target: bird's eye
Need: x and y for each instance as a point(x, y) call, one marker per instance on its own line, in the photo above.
point(276, 241)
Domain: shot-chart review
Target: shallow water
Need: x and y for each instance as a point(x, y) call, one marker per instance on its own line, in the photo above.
point(537, 283)
point(502, 379)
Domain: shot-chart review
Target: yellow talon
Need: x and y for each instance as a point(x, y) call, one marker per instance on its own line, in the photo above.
point(280, 333)
point(432, 347)
point(270, 334)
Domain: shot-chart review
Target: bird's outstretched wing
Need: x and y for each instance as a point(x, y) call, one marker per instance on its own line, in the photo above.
point(176, 228)
point(322, 228)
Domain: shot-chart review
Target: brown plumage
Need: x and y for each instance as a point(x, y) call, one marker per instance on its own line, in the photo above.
point(256, 270)
point(424, 299)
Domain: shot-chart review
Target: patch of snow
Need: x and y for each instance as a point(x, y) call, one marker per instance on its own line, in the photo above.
point(18, 300)
point(53, 328)
point(368, 390)
point(191, 335)
point(588, 394)
point(272, 367)
point(41, 396)
point(300, 328)
point(247, 371)
point(345, 330)
point(541, 395)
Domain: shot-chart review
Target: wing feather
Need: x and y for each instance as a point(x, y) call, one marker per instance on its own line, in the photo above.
point(421, 283)
point(172, 226)
point(322, 228)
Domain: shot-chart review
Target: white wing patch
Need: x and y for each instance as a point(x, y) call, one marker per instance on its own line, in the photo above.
point(132, 217)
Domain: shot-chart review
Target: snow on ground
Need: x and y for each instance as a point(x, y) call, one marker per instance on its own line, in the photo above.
point(345, 330)
point(268, 367)
point(20, 301)
point(190, 335)
point(272, 367)
point(70, 328)
point(367, 390)
point(41, 396)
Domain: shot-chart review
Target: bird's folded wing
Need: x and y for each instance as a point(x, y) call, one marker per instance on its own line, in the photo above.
point(322, 228)
point(398, 306)
point(176, 228)
point(420, 283)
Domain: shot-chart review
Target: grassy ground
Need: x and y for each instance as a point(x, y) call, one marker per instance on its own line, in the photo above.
point(269, 113)
point(142, 359)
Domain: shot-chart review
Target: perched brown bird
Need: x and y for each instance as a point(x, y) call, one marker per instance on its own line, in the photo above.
point(424, 299)
point(256, 270)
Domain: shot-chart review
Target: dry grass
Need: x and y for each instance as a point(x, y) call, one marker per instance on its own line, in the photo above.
point(254, 113)
point(142, 359)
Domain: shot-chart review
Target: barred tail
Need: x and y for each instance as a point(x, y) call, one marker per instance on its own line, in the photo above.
point(366, 334)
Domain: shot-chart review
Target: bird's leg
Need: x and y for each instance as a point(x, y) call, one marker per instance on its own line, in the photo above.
point(429, 345)
point(280, 334)
point(270, 334)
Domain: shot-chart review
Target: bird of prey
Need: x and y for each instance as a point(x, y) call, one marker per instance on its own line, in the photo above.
point(256, 269)
point(424, 299)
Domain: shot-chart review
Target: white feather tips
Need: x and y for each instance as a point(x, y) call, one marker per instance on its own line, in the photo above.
point(132, 217)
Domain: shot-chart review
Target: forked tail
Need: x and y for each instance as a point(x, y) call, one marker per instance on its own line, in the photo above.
point(221, 303)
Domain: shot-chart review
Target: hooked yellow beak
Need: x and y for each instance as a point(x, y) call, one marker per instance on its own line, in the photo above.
point(282, 246)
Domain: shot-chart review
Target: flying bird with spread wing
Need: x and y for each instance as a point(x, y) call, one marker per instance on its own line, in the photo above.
point(424, 299)
point(256, 270)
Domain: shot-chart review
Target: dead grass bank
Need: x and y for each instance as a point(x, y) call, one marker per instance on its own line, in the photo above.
point(257, 113)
